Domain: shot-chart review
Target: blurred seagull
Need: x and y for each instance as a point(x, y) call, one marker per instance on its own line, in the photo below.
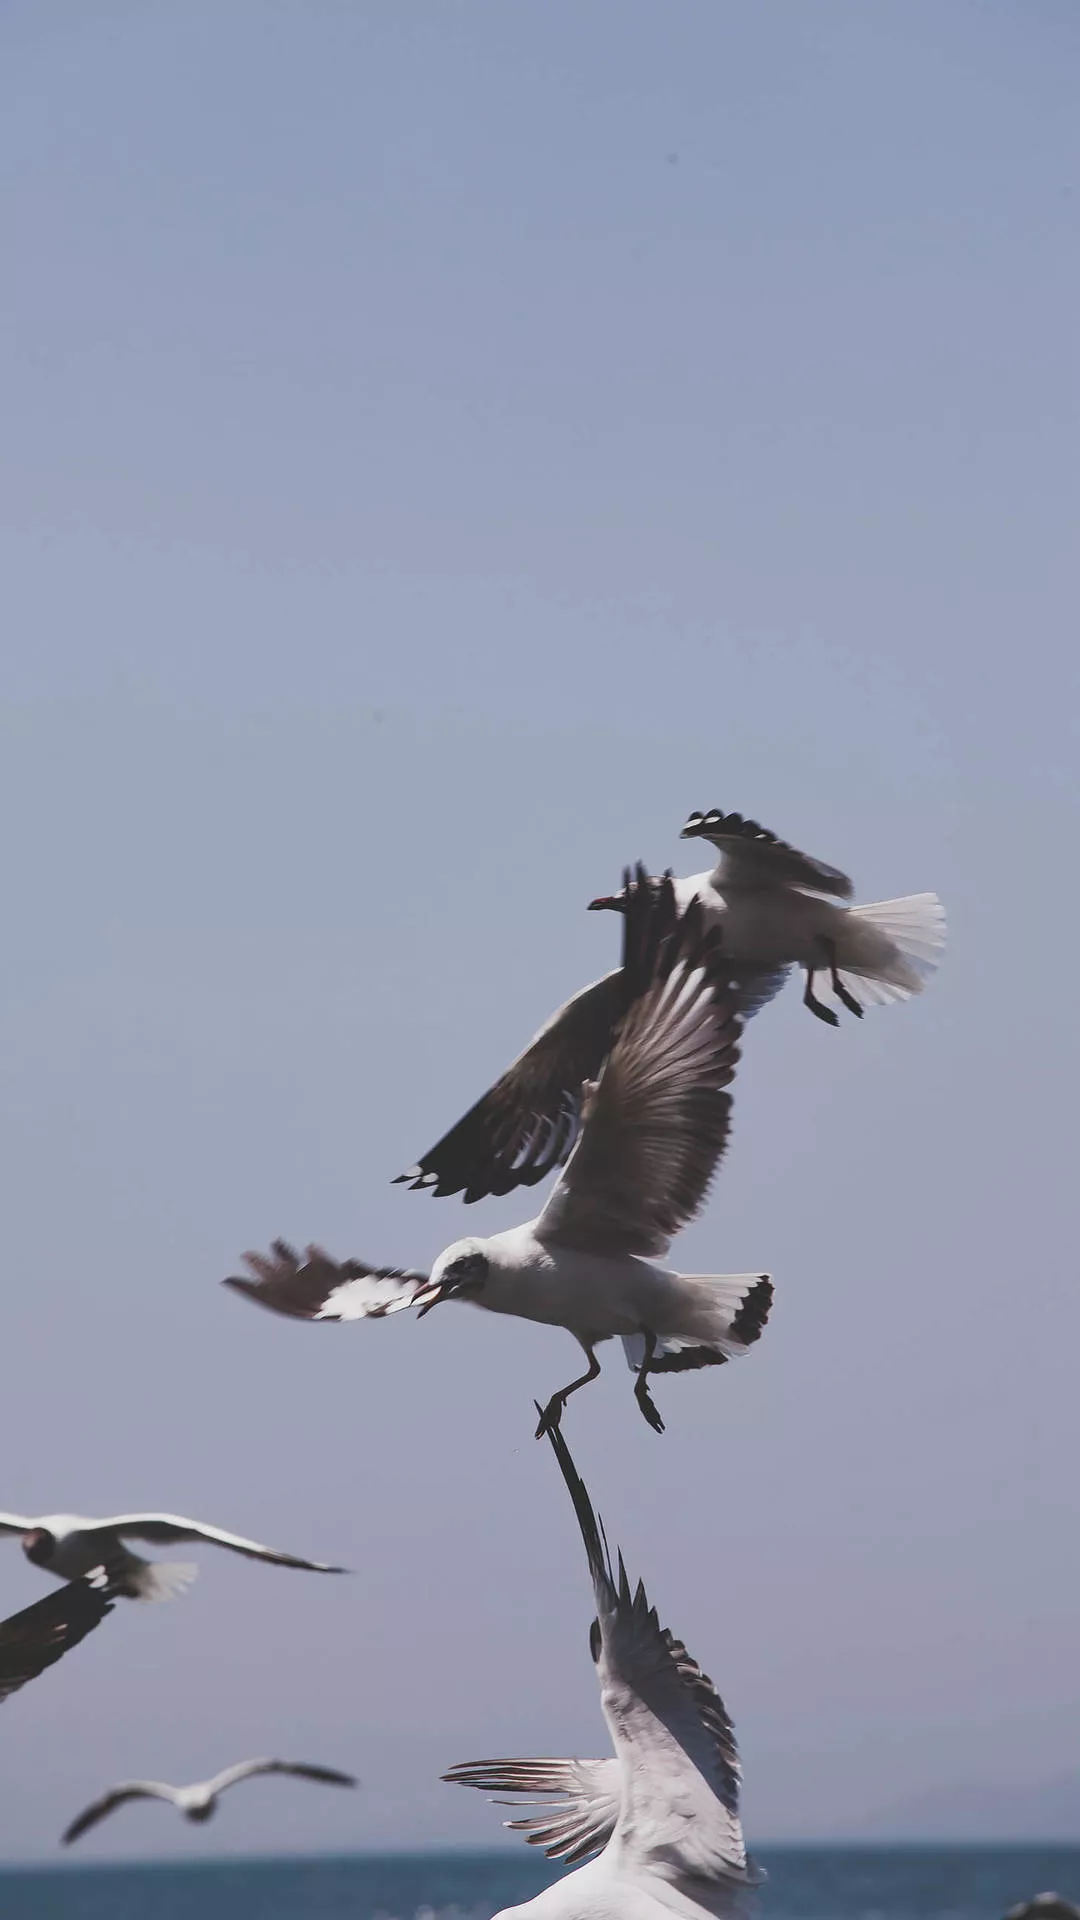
point(658, 1822)
point(40, 1635)
point(197, 1802)
point(1044, 1906)
point(655, 1126)
point(69, 1546)
point(776, 909)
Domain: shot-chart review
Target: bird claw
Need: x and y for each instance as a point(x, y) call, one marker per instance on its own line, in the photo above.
point(823, 1013)
point(551, 1418)
point(847, 999)
point(650, 1409)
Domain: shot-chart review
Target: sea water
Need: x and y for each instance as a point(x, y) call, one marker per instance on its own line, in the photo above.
point(805, 1883)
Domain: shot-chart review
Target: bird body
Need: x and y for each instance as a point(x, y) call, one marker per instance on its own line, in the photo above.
point(70, 1545)
point(655, 1125)
point(661, 1815)
point(199, 1801)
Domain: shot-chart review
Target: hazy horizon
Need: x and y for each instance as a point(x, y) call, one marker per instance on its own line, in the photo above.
point(443, 446)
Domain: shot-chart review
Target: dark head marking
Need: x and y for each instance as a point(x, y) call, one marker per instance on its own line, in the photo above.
point(39, 1545)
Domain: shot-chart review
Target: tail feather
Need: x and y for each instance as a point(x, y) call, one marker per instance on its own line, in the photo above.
point(724, 1314)
point(155, 1579)
point(914, 930)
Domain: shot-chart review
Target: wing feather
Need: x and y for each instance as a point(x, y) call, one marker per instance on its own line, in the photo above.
point(162, 1529)
point(679, 1770)
point(582, 1801)
point(41, 1634)
point(319, 1288)
point(527, 1123)
point(752, 856)
point(657, 1120)
point(247, 1769)
point(116, 1797)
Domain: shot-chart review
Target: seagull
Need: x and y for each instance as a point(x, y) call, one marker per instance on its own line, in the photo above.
point(657, 1822)
point(197, 1802)
point(40, 1635)
point(776, 909)
point(656, 1122)
point(69, 1546)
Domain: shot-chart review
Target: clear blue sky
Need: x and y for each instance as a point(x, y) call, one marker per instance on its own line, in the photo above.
point(443, 444)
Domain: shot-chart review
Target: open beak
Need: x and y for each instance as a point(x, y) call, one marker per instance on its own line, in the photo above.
point(425, 1301)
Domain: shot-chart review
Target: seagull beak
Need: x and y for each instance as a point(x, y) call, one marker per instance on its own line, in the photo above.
point(425, 1301)
point(605, 900)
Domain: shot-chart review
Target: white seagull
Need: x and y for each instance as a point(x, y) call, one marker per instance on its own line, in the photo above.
point(776, 908)
point(198, 1802)
point(662, 1814)
point(70, 1546)
point(655, 1125)
point(40, 1635)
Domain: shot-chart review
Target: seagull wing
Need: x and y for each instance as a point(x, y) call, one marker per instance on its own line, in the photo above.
point(318, 1288)
point(679, 1770)
point(15, 1523)
point(754, 857)
point(40, 1635)
point(161, 1529)
point(527, 1123)
point(246, 1769)
point(657, 1120)
point(577, 1801)
point(116, 1796)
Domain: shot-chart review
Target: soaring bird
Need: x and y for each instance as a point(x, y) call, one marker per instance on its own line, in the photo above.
point(658, 1821)
point(656, 1122)
point(197, 1802)
point(69, 1546)
point(777, 909)
point(40, 1635)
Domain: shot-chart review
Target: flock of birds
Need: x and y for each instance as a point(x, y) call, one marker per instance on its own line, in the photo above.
point(626, 1089)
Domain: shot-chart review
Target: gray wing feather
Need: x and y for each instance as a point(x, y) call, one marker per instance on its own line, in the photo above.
point(527, 1123)
point(657, 1120)
point(163, 1529)
point(582, 1801)
point(319, 1288)
point(246, 1769)
point(753, 856)
point(127, 1790)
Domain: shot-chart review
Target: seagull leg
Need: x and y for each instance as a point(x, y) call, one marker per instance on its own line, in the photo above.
point(845, 998)
point(811, 1000)
point(641, 1390)
point(553, 1412)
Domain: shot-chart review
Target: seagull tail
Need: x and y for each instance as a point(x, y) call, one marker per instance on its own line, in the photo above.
point(895, 947)
point(722, 1314)
point(155, 1579)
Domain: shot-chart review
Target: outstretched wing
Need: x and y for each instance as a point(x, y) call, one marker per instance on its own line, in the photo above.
point(528, 1121)
point(318, 1288)
point(15, 1523)
point(247, 1769)
point(162, 1529)
point(679, 1770)
point(657, 1120)
point(582, 1800)
point(752, 856)
point(116, 1796)
point(40, 1635)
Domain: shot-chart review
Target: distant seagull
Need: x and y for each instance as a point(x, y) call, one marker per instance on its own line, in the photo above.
point(655, 1125)
point(197, 1802)
point(662, 1814)
point(40, 1635)
point(772, 905)
point(69, 1546)
point(1045, 1906)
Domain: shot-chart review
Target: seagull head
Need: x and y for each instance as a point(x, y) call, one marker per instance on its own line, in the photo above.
point(458, 1273)
point(39, 1545)
point(609, 902)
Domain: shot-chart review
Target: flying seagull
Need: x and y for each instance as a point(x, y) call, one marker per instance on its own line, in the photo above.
point(1044, 1906)
point(655, 1125)
point(69, 1546)
point(197, 1802)
point(776, 907)
point(40, 1635)
point(658, 1821)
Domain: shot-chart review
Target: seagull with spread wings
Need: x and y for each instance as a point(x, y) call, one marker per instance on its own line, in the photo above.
point(198, 1802)
point(778, 908)
point(40, 1635)
point(70, 1546)
point(658, 1821)
point(656, 1122)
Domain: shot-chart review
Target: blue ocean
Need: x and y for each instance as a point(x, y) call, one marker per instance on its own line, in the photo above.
point(805, 1883)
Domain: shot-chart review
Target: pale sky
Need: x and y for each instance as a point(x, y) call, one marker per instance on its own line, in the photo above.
point(443, 444)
